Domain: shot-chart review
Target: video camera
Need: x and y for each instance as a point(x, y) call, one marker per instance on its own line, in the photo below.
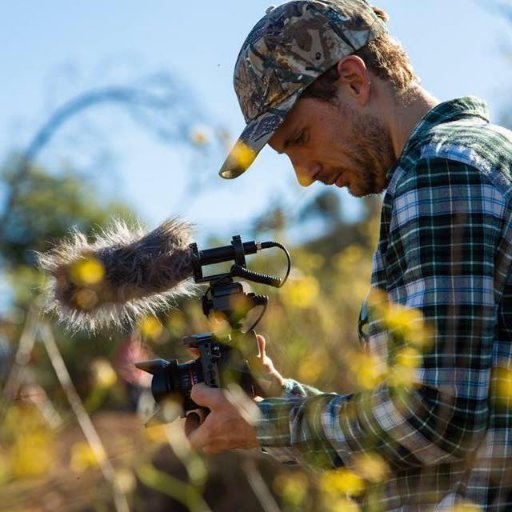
point(223, 359)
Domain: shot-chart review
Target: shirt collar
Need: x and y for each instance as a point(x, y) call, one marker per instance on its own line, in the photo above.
point(447, 111)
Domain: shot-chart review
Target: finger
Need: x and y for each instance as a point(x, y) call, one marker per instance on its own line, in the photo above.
point(195, 352)
point(262, 343)
point(208, 397)
point(198, 438)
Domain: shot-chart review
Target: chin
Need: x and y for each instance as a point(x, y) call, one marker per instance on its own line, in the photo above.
point(355, 192)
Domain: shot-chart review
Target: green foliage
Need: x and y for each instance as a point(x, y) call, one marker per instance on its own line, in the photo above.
point(309, 322)
point(46, 207)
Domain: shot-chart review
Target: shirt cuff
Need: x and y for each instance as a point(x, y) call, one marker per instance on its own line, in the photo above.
point(294, 389)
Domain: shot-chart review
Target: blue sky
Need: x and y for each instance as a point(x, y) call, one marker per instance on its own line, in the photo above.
point(55, 49)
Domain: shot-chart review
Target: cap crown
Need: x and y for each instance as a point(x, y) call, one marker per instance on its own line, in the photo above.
point(294, 44)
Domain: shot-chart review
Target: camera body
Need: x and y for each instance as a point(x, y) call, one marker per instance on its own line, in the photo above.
point(220, 363)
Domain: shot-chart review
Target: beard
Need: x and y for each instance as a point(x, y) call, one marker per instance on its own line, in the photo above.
point(371, 151)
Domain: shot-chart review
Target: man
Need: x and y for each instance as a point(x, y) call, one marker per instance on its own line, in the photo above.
point(323, 82)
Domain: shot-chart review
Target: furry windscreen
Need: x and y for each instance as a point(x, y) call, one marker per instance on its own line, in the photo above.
point(119, 277)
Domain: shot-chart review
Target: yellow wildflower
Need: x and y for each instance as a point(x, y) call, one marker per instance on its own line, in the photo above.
point(150, 327)
point(176, 322)
point(83, 457)
point(103, 375)
point(219, 325)
point(401, 377)
point(341, 481)
point(30, 441)
point(367, 369)
point(371, 467)
point(242, 155)
point(408, 357)
point(301, 292)
point(31, 453)
point(466, 507)
point(502, 385)
point(309, 261)
point(378, 301)
point(349, 257)
point(312, 366)
point(87, 271)
point(293, 487)
point(407, 324)
point(199, 136)
point(340, 504)
point(85, 299)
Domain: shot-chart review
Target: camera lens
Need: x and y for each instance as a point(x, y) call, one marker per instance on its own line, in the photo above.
point(175, 380)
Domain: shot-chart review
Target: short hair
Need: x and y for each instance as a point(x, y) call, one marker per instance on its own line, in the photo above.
point(384, 57)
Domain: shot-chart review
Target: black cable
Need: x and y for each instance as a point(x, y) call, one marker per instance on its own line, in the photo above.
point(268, 245)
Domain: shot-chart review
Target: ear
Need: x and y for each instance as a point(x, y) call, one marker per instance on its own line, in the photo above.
point(354, 78)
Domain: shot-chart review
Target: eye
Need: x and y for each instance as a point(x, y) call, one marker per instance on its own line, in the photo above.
point(300, 138)
point(297, 139)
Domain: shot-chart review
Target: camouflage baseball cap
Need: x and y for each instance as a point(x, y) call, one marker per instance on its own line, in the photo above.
point(288, 49)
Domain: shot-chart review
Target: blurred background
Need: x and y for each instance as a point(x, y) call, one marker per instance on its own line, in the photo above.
point(123, 110)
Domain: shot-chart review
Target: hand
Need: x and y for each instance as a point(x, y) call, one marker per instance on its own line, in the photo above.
point(269, 379)
point(229, 423)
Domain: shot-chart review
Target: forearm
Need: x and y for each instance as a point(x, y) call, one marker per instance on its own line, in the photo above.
point(407, 430)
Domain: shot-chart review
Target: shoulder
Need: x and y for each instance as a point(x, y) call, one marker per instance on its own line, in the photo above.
point(456, 168)
point(467, 150)
point(470, 149)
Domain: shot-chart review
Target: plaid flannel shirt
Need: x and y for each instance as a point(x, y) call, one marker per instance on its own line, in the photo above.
point(444, 248)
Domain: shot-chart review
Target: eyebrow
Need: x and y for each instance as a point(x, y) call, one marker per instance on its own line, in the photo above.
point(295, 135)
point(288, 141)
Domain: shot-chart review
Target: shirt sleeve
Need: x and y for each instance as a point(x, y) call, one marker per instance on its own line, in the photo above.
point(437, 254)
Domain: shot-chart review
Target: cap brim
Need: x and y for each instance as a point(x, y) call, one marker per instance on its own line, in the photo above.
point(254, 137)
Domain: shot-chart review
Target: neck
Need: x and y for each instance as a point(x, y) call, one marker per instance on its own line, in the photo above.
point(403, 110)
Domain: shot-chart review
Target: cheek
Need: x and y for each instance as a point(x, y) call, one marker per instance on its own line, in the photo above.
point(334, 153)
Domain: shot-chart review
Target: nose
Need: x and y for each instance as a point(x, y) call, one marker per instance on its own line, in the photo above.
point(305, 172)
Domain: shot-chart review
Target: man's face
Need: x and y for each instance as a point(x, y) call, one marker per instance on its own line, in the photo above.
point(337, 145)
